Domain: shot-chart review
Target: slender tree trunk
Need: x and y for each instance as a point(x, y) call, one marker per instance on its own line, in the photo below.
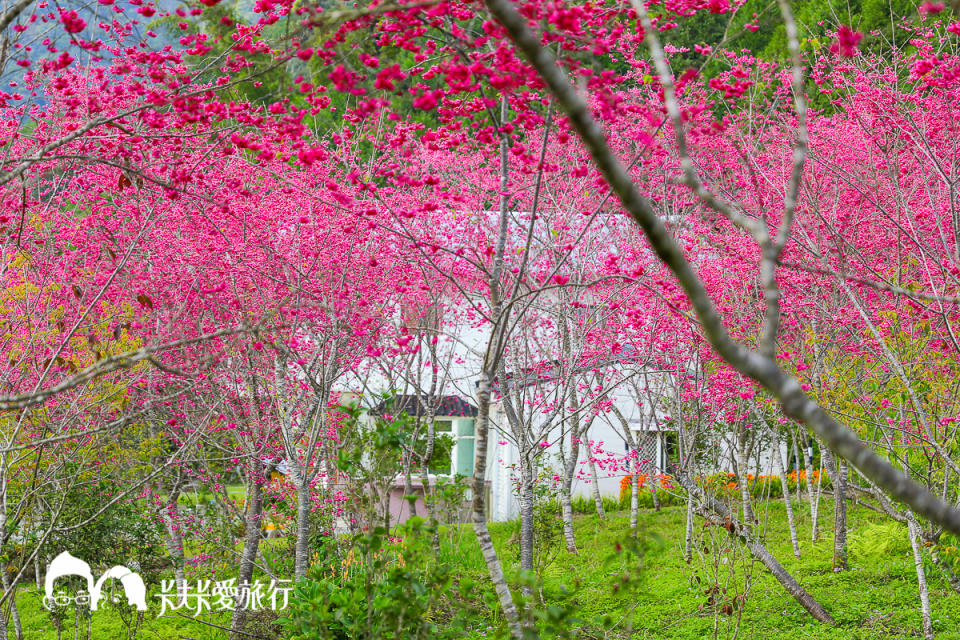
point(302, 557)
point(815, 510)
point(428, 508)
point(14, 612)
point(566, 509)
point(328, 452)
point(913, 530)
point(635, 496)
point(595, 488)
point(428, 453)
point(173, 539)
point(654, 482)
point(840, 517)
point(494, 568)
point(479, 512)
point(688, 534)
point(9, 586)
point(796, 462)
point(174, 544)
point(813, 494)
point(742, 472)
point(791, 523)
point(720, 515)
point(526, 516)
point(408, 490)
point(570, 468)
point(837, 473)
point(251, 544)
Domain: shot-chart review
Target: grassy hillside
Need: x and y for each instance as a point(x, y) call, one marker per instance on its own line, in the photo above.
point(649, 591)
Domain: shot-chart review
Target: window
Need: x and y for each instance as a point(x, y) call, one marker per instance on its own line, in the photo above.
point(441, 461)
point(464, 447)
point(670, 453)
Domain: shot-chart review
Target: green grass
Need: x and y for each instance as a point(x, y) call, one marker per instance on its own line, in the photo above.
point(108, 624)
point(876, 598)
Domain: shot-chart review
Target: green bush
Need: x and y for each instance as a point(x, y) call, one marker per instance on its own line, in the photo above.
point(583, 505)
point(586, 506)
point(381, 588)
point(610, 504)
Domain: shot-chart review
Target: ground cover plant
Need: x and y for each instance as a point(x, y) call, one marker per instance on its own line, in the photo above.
point(665, 596)
point(277, 276)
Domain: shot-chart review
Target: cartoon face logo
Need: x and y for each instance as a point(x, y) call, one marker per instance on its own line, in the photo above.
point(67, 565)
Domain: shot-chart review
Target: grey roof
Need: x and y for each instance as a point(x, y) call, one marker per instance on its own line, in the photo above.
point(445, 406)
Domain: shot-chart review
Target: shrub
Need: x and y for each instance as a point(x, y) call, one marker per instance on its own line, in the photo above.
point(725, 483)
point(383, 587)
point(583, 505)
point(610, 504)
point(587, 506)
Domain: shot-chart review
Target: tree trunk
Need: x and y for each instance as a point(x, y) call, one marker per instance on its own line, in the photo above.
point(526, 516)
point(251, 543)
point(814, 503)
point(635, 496)
point(688, 534)
point(567, 513)
point(302, 559)
point(408, 490)
point(813, 495)
point(913, 530)
point(569, 470)
point(173, 539)
point(720, 515)
point(796, 462)
point(742, 472)
point(479, 513)
point(838, 473)
point(654, 481)
point(778, 465)
point(14, 612)
point(595, 488)
point(425, 463)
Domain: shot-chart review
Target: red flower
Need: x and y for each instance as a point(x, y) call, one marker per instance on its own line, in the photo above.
point(847, 42)
point(72, 22)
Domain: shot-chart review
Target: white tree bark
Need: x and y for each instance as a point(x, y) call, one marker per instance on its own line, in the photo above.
point(913, 530)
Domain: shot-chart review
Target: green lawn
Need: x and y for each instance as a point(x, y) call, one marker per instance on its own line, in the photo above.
point(662, 598)
point(877, 598)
